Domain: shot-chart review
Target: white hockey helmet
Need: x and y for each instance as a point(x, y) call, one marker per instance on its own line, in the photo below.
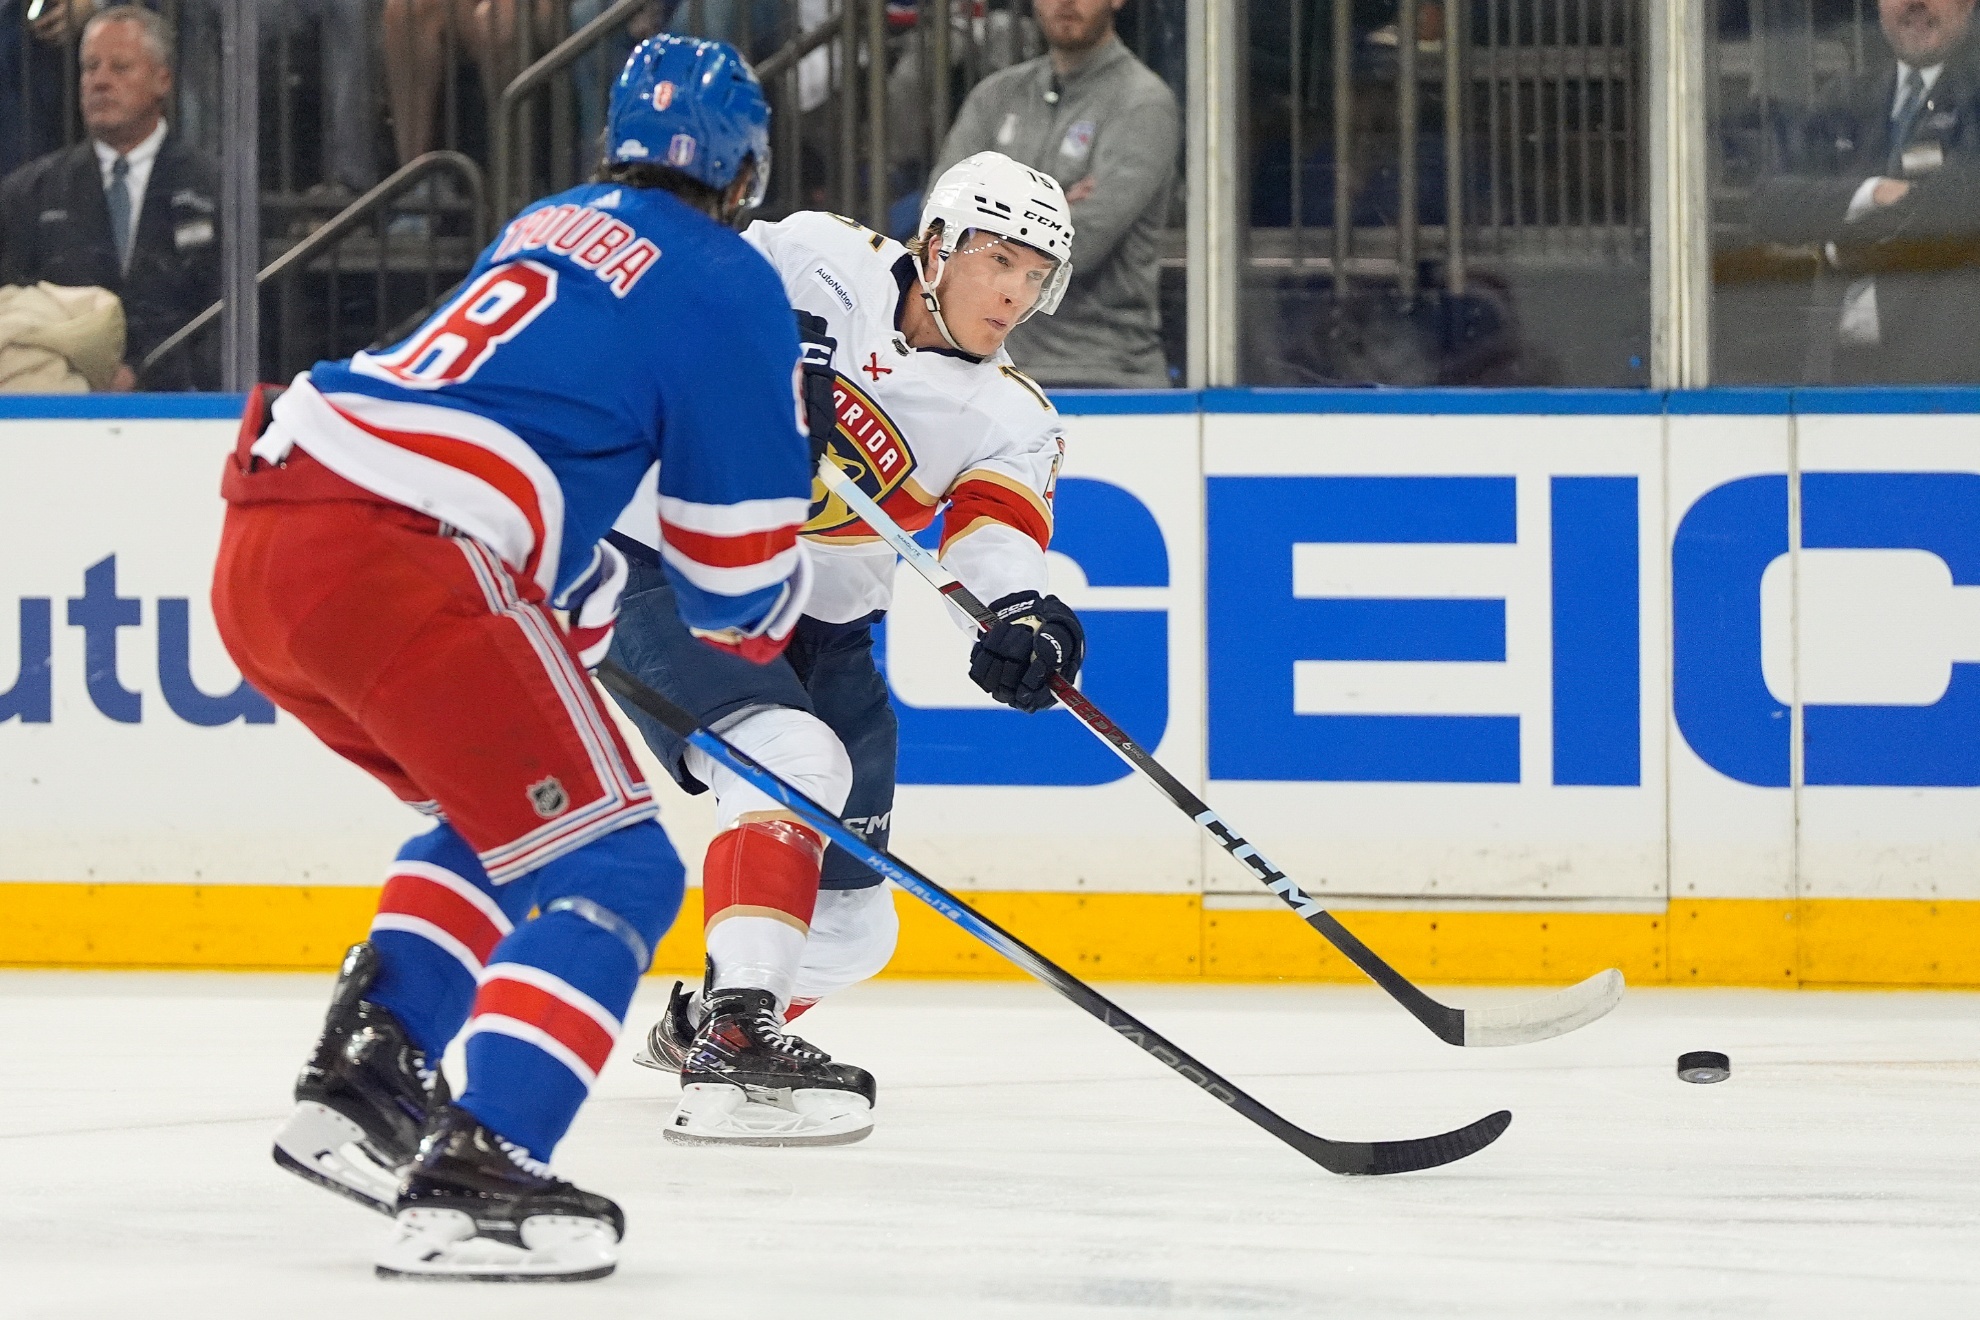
point(993, 194)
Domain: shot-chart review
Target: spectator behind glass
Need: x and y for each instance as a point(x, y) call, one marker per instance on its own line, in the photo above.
point(1886, 177)
point(417, 47)
point(593, 72)
point(131, 209)
point(350, 101)
point(350, 119)
point(31, 58)
point(1093, 117)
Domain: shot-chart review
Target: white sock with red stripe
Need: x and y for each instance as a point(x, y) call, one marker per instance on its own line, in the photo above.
point(759, 885)
point(760, 879)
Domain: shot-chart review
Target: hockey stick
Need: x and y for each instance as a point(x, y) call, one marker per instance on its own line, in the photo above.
point(1369, 1157)
point(1514, 1024)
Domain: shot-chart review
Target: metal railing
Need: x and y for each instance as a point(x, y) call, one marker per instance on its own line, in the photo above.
point(509, 137)
point(1539, 109)
point(325, 242)
point(862, 99)
point(853, 43)
point(835, 81)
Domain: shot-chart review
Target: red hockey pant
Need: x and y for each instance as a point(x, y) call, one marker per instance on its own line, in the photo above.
point(416, 654)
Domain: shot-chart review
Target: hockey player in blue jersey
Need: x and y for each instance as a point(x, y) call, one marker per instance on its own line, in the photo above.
point(399, 528)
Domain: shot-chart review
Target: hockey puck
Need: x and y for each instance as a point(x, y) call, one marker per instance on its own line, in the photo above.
point(1704, 1066)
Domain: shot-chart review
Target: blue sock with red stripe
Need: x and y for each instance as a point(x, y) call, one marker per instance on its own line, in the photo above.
point(553, 998)
point(439, 919)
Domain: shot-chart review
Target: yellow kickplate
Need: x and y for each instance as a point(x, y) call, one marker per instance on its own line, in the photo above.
point(1154, 937)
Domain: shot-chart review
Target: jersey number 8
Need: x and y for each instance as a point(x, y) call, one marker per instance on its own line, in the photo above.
point(496, 308)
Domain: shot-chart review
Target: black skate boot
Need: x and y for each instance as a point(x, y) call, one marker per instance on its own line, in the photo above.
point(669, 1040)
point(363, 1097)
point(474, 1208)
point(749, 1082)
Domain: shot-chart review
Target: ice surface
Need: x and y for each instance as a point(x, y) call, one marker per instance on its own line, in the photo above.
point(1028, 1164)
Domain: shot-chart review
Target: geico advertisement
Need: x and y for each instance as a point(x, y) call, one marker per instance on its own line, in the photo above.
point(1585, 660)
point(1600, 660)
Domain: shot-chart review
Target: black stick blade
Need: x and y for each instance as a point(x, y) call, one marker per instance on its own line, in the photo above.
point(1349, 1157)
point(1379, 1157)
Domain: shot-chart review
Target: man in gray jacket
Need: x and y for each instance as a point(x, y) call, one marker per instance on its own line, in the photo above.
point(1094, 117)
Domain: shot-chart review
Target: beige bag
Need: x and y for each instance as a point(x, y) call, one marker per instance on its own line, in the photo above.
point(59, 341)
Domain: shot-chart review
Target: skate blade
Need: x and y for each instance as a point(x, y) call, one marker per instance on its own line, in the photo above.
point(323, 1146)
point(644, 1058)
point(711, 1114)
point(441, 1246)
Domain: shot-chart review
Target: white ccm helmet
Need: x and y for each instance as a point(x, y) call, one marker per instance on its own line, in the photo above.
point(993, 194)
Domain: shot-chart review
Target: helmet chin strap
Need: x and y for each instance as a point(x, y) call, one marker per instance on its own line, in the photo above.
point(934, 303)
point(934, 306)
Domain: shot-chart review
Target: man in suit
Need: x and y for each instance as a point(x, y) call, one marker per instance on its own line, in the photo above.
point(131, 210)
point(1885, 179)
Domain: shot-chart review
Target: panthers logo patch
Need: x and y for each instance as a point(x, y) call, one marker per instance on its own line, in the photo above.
point(867, 447)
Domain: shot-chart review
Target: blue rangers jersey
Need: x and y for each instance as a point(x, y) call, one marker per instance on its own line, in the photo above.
point(606, 330)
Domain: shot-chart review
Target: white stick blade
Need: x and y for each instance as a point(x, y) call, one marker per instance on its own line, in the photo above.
point(1546, 1017)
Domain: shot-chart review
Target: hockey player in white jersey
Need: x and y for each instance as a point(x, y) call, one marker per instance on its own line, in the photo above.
point(928, 416)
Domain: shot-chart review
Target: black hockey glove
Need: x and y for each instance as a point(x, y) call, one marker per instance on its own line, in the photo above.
point(1033, 638)
point(821, 412)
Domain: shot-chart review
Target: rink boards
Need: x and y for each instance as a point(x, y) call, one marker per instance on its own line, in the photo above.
point(1528, 682)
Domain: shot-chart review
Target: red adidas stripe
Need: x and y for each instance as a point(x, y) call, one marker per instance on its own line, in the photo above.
point(575, 1029)
point(905, 509)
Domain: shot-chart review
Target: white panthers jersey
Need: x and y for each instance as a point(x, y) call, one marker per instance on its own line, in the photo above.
point(918, 429)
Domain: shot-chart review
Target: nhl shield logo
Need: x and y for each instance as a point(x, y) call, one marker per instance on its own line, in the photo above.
point(547, 795)
point(681, 151)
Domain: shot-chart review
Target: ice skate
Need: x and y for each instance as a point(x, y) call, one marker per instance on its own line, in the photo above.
point(749, 1082)
point(361, 1099)
point(670, 1039)
point(475, 1209)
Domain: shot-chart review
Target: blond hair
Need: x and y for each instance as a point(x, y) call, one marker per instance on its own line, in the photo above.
point(157, 32)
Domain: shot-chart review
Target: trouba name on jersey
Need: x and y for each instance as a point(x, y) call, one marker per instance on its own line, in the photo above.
point(597, 241)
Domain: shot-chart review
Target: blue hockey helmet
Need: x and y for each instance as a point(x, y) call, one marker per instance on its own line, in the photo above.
point(693, 106)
